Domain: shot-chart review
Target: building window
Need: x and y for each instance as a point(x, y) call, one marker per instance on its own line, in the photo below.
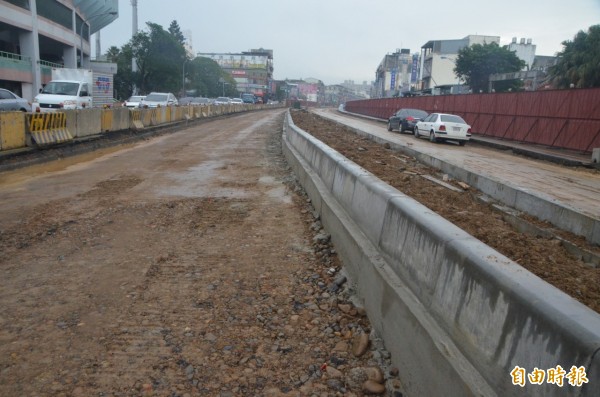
point(56, 12)
point(20, 3)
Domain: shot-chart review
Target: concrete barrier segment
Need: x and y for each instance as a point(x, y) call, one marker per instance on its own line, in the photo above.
point(12, 130)
point(120, 119)
point(136, 119)
point(49, 128)
point(106, 120)
point(89, 122)
point(496, 314)
point(413, 338)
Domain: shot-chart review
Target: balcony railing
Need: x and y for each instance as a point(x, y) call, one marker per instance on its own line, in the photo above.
point(50, 64)
point(14, 57)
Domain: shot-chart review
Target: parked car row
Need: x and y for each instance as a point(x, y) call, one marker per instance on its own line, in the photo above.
point(10, 101)
point(438, 127)
point(161, 99)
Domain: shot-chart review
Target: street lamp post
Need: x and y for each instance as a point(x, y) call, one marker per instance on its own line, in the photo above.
point(81, 31)
point(183, 78)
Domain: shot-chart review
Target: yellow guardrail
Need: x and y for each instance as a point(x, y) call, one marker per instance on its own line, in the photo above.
point(49, 128)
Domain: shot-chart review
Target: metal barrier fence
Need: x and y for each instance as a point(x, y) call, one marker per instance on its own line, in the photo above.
point(568, 119)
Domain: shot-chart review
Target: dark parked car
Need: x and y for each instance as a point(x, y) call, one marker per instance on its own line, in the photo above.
point(405, 119)
point(11, 101)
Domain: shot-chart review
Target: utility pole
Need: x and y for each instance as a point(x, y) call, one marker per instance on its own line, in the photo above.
point(134, 30)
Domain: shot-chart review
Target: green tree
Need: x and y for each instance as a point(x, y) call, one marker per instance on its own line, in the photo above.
point(579, 61)
point(474, 65)
point(175, 31)
point(205, 75)
point(159, 58)
point(125, 79)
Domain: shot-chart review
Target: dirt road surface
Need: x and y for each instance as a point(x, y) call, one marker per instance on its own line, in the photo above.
point(189, 264)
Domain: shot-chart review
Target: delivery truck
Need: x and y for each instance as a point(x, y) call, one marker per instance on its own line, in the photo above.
point(74, 89)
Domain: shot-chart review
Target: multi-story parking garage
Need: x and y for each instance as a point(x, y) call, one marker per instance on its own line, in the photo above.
point(37, 35)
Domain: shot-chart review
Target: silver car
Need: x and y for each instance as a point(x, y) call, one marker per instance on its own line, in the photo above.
point(222, 100)
point(134, 101)
point(9, 101)
point(159, 99)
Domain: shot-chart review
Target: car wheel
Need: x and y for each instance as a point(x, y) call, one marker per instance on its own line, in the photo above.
point(401, 127)
point(389, 125)
point(416, 132)
point(462, 143)
point(432, 137)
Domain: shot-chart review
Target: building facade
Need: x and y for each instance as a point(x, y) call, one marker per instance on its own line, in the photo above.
point(393, 74)
point(524, 50)
point(37, 35)
point(252, 70)
point(438, 59)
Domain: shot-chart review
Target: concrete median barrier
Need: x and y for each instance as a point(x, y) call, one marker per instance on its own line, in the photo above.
point(116, 119)
point(457, 316)
point(135, 119)
point(89, 122)
point(12, 130)
point(49, 128)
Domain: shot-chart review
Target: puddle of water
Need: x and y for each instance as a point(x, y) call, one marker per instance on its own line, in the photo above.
point(280, 194)
point(266, 180)
point(62, 165)
point(200, 181)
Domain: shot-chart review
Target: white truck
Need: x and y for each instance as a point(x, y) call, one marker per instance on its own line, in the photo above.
point(74, 89)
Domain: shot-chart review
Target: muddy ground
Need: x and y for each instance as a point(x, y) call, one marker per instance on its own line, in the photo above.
point(544, 256)
point(189, 264)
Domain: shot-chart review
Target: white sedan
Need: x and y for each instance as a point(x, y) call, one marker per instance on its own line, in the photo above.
point(444, 127)
point(134, 101)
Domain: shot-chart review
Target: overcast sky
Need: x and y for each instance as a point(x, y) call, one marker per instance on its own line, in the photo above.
point(337, 40)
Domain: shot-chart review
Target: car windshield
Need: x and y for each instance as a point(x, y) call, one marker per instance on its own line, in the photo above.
point(450, 118)
point(61, 88)
point(4, 94)
point(420, 114)
point(157, 98)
